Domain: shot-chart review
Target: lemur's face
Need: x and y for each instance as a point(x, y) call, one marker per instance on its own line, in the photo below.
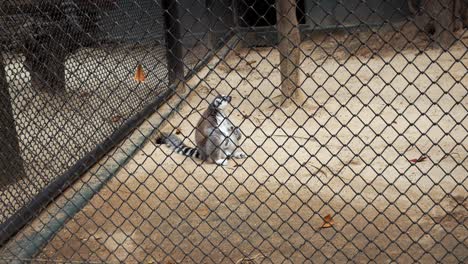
point(221, 101)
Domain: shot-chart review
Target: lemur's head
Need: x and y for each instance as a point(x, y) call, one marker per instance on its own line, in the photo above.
point(221, 101)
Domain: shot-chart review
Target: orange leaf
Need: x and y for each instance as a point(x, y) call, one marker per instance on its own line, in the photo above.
point(116, 118)
point(140, 74)
point(328, 222)
point(420, 159)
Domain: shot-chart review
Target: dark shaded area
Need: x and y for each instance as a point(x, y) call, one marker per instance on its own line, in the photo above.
point(11, 162)
point(262, 13)
point(440, 19)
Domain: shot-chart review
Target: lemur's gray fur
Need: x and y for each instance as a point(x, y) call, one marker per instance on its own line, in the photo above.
point(216, 137)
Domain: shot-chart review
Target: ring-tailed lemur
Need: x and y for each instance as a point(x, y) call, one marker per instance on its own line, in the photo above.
point(216, 137)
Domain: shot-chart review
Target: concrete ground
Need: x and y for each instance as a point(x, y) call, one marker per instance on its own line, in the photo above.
point(346, 153)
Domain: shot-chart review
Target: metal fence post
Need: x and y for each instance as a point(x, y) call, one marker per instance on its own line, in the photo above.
point(11, 163)
point(174, 51)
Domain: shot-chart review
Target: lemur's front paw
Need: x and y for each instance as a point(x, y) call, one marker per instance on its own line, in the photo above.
point(240, 155)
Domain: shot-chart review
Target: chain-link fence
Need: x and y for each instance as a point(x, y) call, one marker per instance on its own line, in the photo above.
point(69, 94)
point(344, 138)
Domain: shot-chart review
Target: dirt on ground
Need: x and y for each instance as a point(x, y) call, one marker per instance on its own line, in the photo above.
point(352, 152)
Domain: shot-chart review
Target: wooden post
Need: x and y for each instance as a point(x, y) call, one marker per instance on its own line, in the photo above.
point(174, 52)
point(11, 163)
point(211, 38)
point(289, 50)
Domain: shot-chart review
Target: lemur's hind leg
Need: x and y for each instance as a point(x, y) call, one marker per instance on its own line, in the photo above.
point(215, 151)
point(220, 158)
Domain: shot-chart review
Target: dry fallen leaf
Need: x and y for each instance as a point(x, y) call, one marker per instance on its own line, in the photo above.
point(140, 74)
point(251, 260)
point(85, 94)
point(420, 159)
point(354, 162)
point(328, 222)
point(116, 118)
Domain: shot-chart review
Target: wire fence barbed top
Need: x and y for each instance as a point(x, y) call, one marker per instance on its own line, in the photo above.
point(233, 131)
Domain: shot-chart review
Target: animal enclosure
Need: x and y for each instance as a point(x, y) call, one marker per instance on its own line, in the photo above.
point(366, 161)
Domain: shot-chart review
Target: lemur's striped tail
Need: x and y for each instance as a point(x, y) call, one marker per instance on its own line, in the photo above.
point(173, 142)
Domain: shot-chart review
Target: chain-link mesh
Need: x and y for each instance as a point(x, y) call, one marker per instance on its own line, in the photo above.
point(352, 117)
